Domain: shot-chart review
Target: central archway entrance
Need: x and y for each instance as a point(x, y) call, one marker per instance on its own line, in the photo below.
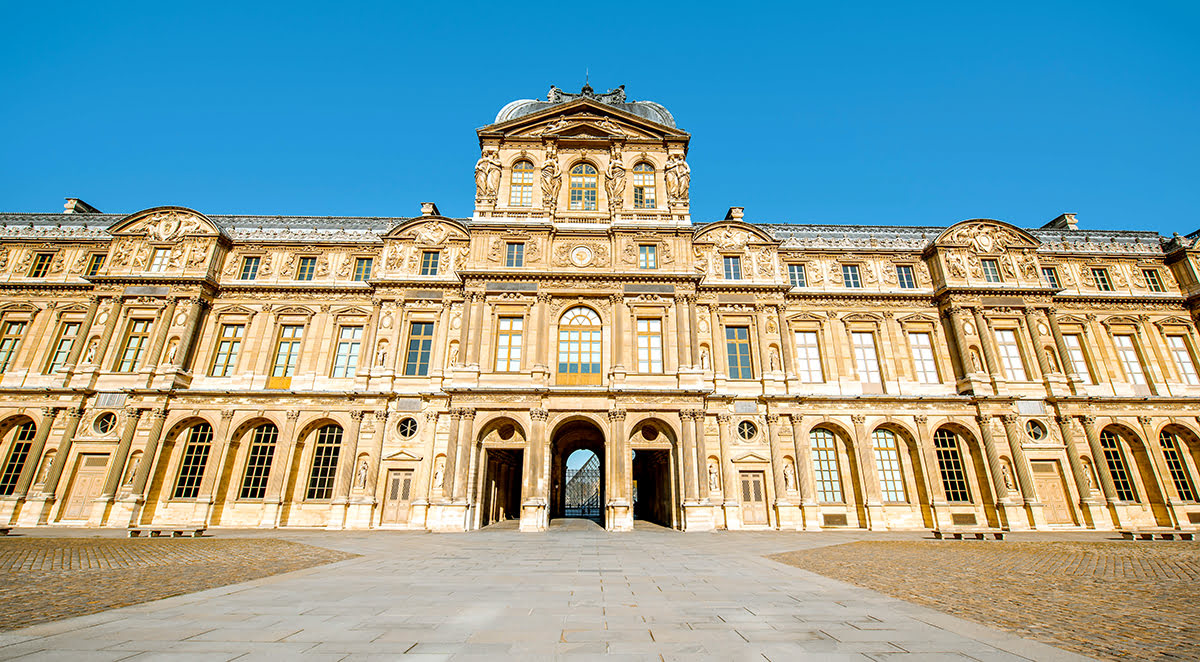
point(578, 470)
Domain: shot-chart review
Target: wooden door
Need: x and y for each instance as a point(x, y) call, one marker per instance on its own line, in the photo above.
point(399, 496)
point(1052, 490)
point(86, 484)
point(754, 498)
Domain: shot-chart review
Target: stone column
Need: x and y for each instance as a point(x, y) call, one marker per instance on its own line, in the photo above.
point(50, 485)
point(993, 457)
point(116, 468)
point(466, 442)
point(701, 455)
point(932, 472)
point(149, 455)
point(693, 331)
point(464, 336)
point(367, 350)
point(777, 464)
point(688, 450)
point(110, 325)
point(867, 470)
point(1023, 468)
point(1064, 355)
point(281, 469)
point(681, 332)
point(219, 450)
point(348, 457)
point(81, 339)
point(764, 351)
point(1035, 337)
point(477, 328)
point(618, 344)
point(728, 479)
point(787, 342)
point(1099, 460)
point(984, 330)
point(806, 478)
point(33, 458)
point(1083, 482)
point(166, 317)
point(960, 340)
point(1158, 466)
point(542, 329)
point(190, 327)
point(619, 504)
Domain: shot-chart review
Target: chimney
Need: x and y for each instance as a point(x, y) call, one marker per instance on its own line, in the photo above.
point(77, 206)
point(735, 213)
point(429, 209)
point(1063, 222)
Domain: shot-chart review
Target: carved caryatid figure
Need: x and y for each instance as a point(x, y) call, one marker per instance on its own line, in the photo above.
point(614, 180)
point(679, 178)
point(487, 176)
point(714, 478)
point(789, 477)
point(551, 178)
point(363, 469)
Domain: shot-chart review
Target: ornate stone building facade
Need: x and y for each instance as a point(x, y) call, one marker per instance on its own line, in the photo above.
point(168, 366)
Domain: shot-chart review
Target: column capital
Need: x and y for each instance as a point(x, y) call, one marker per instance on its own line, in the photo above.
point(293, 415)
point(455, 413)
point(616, 414)
point(1062, 420)
point(544, 297)
point(51, 412)
point(772, 418)
point(431, 415)
point(921, 419)
point(983, 419)
point(357, 415)
point(76, 411)
point(539, 414)
point(616, 299)
point(1009, 419)
point(858, 419)
point(468, 413)
point(227, 414)
point(797, 418)
point(132, 412)
point(1145, 420)
point(724, 418)
point(1087, 419)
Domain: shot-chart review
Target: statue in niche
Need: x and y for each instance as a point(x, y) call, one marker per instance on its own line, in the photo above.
point(789, 477)
point(1008, 479)
point(714, 478)
point(439, 472)
point(133, 467)
point(704, 358)
point(453, 354)
point(551, 177)
point(171, 349)
point(381, 354)
point(614, 182)
point(773, 355)
point(487, 176)
point(46, 469)
point(975, 361)
point(362, 474)
point(679, 177)
point(91, 351)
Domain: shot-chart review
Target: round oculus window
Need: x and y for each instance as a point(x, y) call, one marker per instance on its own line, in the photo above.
point(747, 430)
point(408, 427)
point(1035, 430)
point(105, 423)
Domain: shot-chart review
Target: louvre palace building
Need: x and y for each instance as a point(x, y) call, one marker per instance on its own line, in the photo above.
point(176, 368)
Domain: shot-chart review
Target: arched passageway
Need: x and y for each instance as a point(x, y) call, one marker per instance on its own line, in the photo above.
point(571, 488)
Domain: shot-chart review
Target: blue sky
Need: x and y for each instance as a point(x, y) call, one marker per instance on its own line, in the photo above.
point(858, 113)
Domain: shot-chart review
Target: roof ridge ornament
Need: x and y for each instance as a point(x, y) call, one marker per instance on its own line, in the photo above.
point(615, 95)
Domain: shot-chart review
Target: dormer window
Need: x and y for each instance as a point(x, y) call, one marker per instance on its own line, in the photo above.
point(158, 261)
point(850, 275)
point(521, 190)
point(733, 267)
point(429, 263)
point(643, 186)
point(583, 187)
point(249, 267)
point(991, 270)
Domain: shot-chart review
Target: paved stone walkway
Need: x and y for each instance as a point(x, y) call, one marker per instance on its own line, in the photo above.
point(1116, 600)
point(574, 592)
point(46, 579)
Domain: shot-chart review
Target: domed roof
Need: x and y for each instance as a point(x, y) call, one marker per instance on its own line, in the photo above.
point(616, 98)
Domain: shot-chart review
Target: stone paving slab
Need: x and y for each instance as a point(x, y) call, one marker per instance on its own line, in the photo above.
point(1113, 600)
point(574, 592)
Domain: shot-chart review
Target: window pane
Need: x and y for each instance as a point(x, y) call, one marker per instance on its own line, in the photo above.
point(649, 345)
point(258, 462)
point(904, 276)
point(1078, 360)
point(420, 344)
point(1183, 359)
point(324, 463)
point(228, 346)
point(850, 275)
point(950, 464)
point(345, 362)
point(825, 464)
point(796, 275)
point(195, 457)
point(288, 351)
point(808, 358)
point(10, 337)
point(887, 462)
point(1114, 457)
point(923, 361)
point(17, 456)
point(865, 357)
point(1129, 359)
point(508, 344)
point(1176, 465)
point(737, 343)
point(1010, 355)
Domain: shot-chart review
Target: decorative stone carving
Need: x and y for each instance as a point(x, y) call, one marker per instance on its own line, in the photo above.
point(678, 177)
point(551, 177)
point(614, 180)
point(487, 176)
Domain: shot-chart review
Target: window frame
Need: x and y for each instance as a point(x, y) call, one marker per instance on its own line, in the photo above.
point(159, 255)
point(862, 366)
point(192, 462)
point(738, 352)
point(805, 357)
point(520, 185)
point(1180, 347)
point(514, 254)
point(646, 363)
point(295, 349)
point(952, 468)
point(322, 471)
point(1079, 337)
point(990, 267)
point(12, 336)
point(95, 264)
point(922, 364)
point(1154, 280)
point(260, 453)
point(1171, 443)
point(429, 263)
point(41, 265)
point(586, 184)
point(888, 466)
point(645, 182)
point(227, 350)
point(852, 276)
point(1102, 279)
point(826, 465)
point(347, 351)
point(647, 256)
point(797, 275)
point(419, 357)
point(132, 333)
point(732, 267)
point(1117, 463)
point(59, 354)
point(1010, 354)
point(363, 268)
point(1050, 275)
point(306, 269)
point(249, 268)
point(1131, 357)
point(510, 338)
point(23, 436)
point(906, 276)
point(581, 341)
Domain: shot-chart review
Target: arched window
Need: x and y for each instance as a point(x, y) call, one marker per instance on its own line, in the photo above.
point(258, 462)
point(579, 346)
point(195, 456)
point(324, 462)
point(825, 462)
point(22, 441)
point(643, 186)
point(583, 187)
point(950, 463)
point(520, 193)
point(887, 461)
point(1175, 463)
point(1114, 456)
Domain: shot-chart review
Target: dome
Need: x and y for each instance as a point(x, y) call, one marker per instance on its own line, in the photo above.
point(649, 110)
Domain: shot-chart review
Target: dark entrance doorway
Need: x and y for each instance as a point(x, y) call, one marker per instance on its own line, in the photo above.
point(652, 494)
point(501, 497)
point(577, 485)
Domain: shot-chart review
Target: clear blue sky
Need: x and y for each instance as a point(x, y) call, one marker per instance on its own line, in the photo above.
point(859, 113)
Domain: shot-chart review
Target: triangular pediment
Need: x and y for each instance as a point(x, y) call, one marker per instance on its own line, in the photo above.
point(403, 455)
point(235, 310)
point(582, 118)
point(429, 231)
point(166, 224)
point(751, 457)
point(917, 318)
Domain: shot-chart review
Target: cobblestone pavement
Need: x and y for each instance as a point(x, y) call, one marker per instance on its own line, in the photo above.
point(574, 592)
point(1118, 600)
point(44, 579)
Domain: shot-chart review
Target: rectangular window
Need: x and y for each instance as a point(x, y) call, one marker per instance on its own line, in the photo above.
point(887, 464)
point(1050, 274)
point(949, 458)
point(362, 268)
point(514, 254)
point(287, 353)
point(10, 338)
point(924, 363)
point(22, 442)
point(429, 264)
point(324, 463)
point(1175, 464)
point(850, 275)
point(733, 267)
point(866, 360)
point(521, 192)
point(1153, 280)
point(808, 358)
point(67, 335)
point(1183, 359)
point(1010, 355)
point(991, 270)
point(41, 265)
point(228, 346)
point(1102, 282)
point(1074, 343)
point(249, 267)
point(905, 277)
point(95, 264)
point(135, 344)
point(191, 468)
point(508, 344)
point(649, 345)
point(737, 345)
point(825, 466)
point(796, 275)
point(647, 256)
point(1129, 359)
point(258, 462)
point(306, 269)
point(1114, 457)
point(345, 359)
point(158, 259)
point(420, 344)
point(643, 186)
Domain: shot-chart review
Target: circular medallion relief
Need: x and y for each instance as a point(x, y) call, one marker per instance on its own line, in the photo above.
point(581, 256)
